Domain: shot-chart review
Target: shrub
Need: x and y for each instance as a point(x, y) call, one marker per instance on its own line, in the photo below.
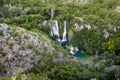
point(2, 69)
point(15, 34)
point(30, 45)
point(4, 53)
point(1, 33)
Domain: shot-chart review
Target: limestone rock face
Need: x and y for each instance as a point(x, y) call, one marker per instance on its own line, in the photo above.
point(80, 27)
point(117, 9)
point(106, 34)
point(3, 27)
point(18, 48)
point(76, 1)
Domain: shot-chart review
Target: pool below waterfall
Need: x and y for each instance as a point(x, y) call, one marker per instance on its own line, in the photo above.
point(78, 53)
point(85, 59)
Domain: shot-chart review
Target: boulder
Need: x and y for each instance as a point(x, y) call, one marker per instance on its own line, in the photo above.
point(3, 27)
point(80, 27)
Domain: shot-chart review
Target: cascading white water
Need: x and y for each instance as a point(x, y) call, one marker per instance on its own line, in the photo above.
point(64, 25)
point(64, 37)
point(55, 31)
point(54, 28)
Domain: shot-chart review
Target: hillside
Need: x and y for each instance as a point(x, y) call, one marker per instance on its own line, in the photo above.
point(28, 51)
point(20, 49)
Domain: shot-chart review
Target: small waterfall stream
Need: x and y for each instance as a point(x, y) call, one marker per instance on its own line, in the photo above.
point(64, 37)
point(64, 40)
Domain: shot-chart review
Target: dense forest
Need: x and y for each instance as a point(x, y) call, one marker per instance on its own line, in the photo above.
point(92, 25)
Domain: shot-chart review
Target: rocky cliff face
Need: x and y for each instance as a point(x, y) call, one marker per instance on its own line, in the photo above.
point(20, 48)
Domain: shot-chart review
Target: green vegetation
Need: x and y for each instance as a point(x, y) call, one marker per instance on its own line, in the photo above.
point(1, 33)
point(15, 34)
point(30, 45)
point(99, 14)
point(90, 40)
point(3, 69)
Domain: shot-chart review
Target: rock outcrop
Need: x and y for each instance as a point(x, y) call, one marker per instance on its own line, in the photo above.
point(117, 9)
point(80, 27)
point(20, 48)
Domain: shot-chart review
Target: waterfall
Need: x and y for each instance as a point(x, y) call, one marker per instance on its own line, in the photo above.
point(64, 38)
point(54, 28)
point(64, 25)
point(55, 32)
point(52, 12)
